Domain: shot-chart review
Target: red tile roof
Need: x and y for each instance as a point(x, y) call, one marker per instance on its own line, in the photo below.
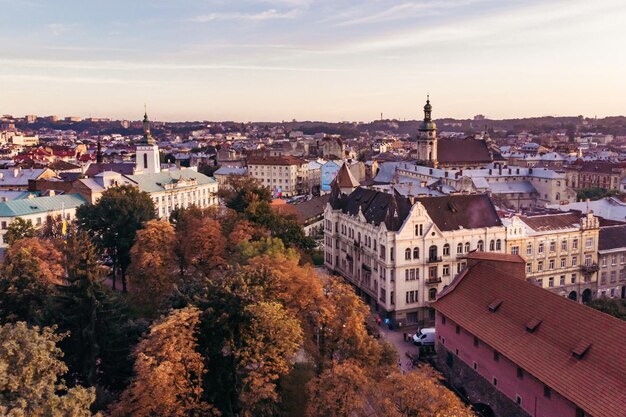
point(575, 350)
point(344, 178)
point(491, 256)
point(552, 221)
point(467, 150)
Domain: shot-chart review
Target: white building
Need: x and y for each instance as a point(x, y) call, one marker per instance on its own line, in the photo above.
point(399, 252)
point(283, 175)
point(147, 155)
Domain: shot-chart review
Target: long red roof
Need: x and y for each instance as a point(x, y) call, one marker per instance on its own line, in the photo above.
point(596, 382)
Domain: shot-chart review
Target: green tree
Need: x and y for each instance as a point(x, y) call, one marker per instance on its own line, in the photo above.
point(30, 376)
point(613, 306)
point(242, 191)
point(168, 371)
point(113, 222)
point(19, 229)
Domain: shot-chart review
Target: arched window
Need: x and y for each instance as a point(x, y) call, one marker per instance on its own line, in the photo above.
point(359, 239)
point(492, 245)
point(145, 161)
point(416, 253)
point(459, 249)
point(446, 250)
point(432, 253)
point(558, 196)
point(407, 254)
point(480, 246)
point(498, 244)
point(432, 294)
point(467, 247)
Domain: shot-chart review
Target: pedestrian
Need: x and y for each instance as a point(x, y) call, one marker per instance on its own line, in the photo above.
point(404, 336)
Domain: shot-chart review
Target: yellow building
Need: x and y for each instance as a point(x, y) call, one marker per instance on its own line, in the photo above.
point(560, 250)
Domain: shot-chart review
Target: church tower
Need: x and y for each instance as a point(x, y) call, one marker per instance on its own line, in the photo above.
point(426, 143)
point(147, 154)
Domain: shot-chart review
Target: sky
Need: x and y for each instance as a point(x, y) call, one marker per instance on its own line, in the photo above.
point(332, 60)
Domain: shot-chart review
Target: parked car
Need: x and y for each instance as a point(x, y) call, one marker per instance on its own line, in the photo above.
point(424, 337)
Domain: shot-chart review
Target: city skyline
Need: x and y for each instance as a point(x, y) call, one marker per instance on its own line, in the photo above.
point(272, 60)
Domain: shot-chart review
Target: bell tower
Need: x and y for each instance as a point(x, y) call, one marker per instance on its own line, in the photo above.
point(426, 143)
point(147, 154)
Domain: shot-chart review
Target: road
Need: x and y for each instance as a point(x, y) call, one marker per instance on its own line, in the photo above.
point(395, 338)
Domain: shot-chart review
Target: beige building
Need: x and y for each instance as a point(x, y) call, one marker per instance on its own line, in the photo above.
point(285, 175)
point(612, 262)
point(399, 252)
point(560, 251)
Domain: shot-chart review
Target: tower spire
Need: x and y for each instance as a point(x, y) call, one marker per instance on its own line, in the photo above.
point(147, 136)
point(99, 152)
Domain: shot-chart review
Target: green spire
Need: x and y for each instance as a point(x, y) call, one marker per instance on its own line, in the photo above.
point(147, 137)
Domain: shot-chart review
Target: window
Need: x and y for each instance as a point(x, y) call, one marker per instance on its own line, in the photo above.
point(383, 252)
point(540, 266)
point(518, 400)
point(604, 262)
point(564, 245)
point(432, 294)
point(613, 259)
point(515, 250)
point(391, 253)
point(411, 297)
point(145, 161)
point(446, 270)
point(475, 366)
point(419, 230)
point(467, 247)
point(407, 254)
point(562, 280)
point(603, 278)
point(553, 246)
point(613, 276)
point(498, 245)
point(529, 268)
point(574, 261)
point(459, 249)
point(551, 264)
point(520, 373)
point(492, 245)
point(4, 225)
point(551, 282)
point(495, 381)
point(457, 329)
point(540, 248)
point(589, 243)
point(475, 341)
point(416, 253)
point(575, 244)
point(547, 392)
point(563, 262)
point(573, 278)
point(587, 260)
point(446, 250)
point(540, 282)
point(411, 274)
point(496, 356)
point(480, 246)
point(529, 249)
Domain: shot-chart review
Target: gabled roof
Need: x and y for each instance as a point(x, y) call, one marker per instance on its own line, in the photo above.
point(576, 351)
point(463, 211)
point(119, 167)
point(344, 178)
point(612, 237)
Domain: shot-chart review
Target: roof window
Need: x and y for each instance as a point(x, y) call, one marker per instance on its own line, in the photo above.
point(495, 305)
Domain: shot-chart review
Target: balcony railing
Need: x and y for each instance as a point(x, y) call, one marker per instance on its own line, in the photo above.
point(433, 281)
point(434, 259)
point(589, 269)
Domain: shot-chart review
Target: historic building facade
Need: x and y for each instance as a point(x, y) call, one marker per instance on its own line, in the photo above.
point(283, 175)
point(399, 252)
point(612, 262)
point(560, 250)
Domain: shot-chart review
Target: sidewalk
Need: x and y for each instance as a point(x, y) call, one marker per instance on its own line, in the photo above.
point(395, 338)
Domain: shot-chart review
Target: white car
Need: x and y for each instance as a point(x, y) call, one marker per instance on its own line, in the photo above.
point(424, 337)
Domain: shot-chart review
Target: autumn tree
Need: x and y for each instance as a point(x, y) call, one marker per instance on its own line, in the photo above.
point(30, 271)
point(340, 391)
point(30, 375)
point(19, 229)
point(152, 270)
point(242, 191)
point(418, 393)
point(168, 371)
point(113, 222)
point(269, 342)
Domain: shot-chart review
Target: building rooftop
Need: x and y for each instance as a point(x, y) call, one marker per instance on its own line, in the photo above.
point(28, 206)
point(548, 222)
point(161, 181)
point(575, 350)
point(468, 150)
point(612, 237)
point(275, 160)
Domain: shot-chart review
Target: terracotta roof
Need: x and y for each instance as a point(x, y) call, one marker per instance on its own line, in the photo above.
point(612, 237)
point(468, 150)
point(467, 211)
point(552, 221)
point(344, 178)
point(576, 351)
point(602, 167)
point(119, 167)
point(491, 256)
point(305, 211)
point(275, 160)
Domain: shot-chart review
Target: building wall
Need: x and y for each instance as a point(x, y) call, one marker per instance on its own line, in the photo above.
point(474, 367)
point(612, 273)
point(289, 178)
point(200, 196)
point(36, 220)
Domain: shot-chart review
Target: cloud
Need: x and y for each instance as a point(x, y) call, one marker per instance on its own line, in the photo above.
point(270, 14)
point(58, 29)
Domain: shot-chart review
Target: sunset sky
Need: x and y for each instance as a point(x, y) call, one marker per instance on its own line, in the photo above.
point(328, 60)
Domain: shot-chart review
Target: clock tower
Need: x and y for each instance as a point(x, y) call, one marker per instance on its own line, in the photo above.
point(147, 155)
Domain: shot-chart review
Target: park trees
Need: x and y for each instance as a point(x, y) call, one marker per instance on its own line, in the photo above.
point(113, 222)
point(19, 229)
point(31, 372)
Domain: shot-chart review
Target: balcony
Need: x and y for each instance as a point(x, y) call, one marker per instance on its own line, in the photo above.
point(433, 281)
point(434, 259)
point(357, 244)
point(589, 269)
